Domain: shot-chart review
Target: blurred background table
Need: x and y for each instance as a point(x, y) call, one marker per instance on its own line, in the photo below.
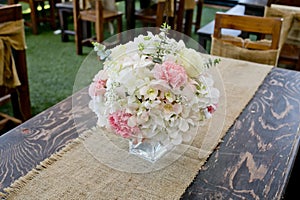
point(254, 7)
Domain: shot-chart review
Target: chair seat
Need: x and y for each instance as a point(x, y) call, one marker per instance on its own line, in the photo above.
point(67, 5)
point(147, 13)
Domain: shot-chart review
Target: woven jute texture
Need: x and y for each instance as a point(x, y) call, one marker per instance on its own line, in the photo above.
point(82, 170)
point(229, 50)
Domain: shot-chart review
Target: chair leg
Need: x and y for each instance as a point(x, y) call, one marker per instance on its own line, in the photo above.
point(25, 102)
point(63, 25)
point(78, 38)
point(20, 97)
point(99, 31)
point(160, 15)
point(52, 14)
point(99, 24)
point(199, 15)
point(15, 105)
point(119, 29)
point(130, 8)
point(33, 17)
point(188, 22)
point(180, 17)
point(119, 22)
point(21, 104)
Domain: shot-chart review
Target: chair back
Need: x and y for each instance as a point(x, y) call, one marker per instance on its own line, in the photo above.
point(10, 13)
point(262, 51)
point(290, 32)
point(13, 62)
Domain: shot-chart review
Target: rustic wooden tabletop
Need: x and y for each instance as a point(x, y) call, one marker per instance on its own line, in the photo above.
point(254, 161)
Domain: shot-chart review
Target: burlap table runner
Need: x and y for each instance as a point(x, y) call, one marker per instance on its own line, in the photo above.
point(77, 173)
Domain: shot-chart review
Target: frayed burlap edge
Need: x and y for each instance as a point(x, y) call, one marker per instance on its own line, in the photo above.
point(22, 181)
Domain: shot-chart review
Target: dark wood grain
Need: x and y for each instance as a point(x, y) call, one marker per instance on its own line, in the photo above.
point(257, 155)
point(24, 147)
point(254, 161)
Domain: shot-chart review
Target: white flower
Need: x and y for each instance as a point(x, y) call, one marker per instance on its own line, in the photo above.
point(150, 99)
point(149, 92)
point(118, 52)
point(192, 61)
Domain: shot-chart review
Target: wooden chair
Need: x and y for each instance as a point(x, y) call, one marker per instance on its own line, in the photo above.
point(262, 51)
point(290, 51)
point(98, 16)
point(155, 15)
point(151, 15)
point(39, 16)
point(10, 15)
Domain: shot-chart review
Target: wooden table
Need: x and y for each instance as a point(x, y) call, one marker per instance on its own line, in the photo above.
point(254, 7)
point(255, 160)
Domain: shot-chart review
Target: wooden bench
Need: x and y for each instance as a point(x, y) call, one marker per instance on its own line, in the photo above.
point(206, 31)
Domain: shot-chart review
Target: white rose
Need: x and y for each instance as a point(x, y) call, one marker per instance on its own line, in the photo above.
point(192, 61)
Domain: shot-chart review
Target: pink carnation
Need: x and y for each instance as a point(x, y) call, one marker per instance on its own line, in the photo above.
point(119, 122)
point(171, 72)
point(98, 87)
point(212, 108)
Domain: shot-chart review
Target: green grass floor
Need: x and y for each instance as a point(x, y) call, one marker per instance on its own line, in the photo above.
point(53, 64)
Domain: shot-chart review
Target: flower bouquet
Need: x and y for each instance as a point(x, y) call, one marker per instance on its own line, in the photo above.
point(153, 91)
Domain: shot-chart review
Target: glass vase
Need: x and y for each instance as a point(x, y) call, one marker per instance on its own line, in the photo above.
point(148, 149)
